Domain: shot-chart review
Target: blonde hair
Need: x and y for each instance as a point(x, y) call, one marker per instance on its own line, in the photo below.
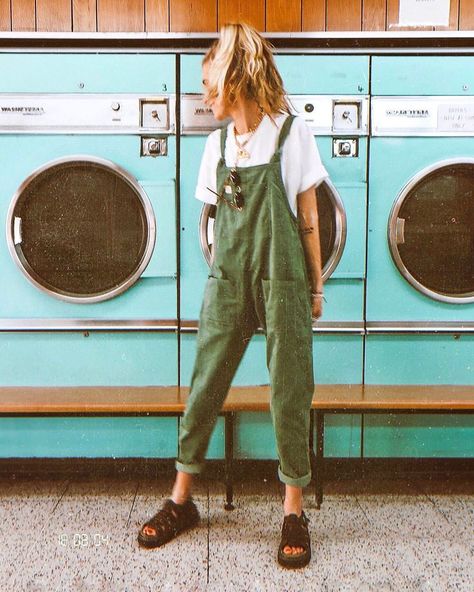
point(241, 64)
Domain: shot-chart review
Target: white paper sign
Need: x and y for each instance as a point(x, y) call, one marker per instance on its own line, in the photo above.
point(424, 12)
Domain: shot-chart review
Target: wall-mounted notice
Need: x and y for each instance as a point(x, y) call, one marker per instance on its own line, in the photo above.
point(424, 12)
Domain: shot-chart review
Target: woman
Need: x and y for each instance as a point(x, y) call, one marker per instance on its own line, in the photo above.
point(261, 170)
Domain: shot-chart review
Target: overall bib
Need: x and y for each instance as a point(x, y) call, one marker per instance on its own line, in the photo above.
point(258, 278)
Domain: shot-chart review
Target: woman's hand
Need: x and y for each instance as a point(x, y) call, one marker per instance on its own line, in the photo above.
point(316, 306)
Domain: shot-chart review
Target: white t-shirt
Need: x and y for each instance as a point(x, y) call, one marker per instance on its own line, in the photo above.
point(301, 165)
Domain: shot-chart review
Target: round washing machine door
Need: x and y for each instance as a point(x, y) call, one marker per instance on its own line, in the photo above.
point(81, 229)
point(431, 231)
point(332, 227)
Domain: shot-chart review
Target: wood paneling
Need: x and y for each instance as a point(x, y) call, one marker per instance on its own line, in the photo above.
point(120, 15)
point(84, 15)
point(344, 15)
point(5, 19)
point(157, 16)
point(53, 15)
point(314, 15)
point(283, 15)
point(374, 16)
point(249, 11)
point(193, 15)
point(23, 15)
point(466, 15)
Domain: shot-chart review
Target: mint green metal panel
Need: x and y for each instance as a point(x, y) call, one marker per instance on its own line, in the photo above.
point(420, 359)
point(163, 200)
point(423, 75)
point(87, 73)
point(92, 437)
point(335, 74)
point(442, 436)
point(191, 73)
point(308, 74)
point(352, 171)
point(344, 300)
point(73, 359)
point(254, 437)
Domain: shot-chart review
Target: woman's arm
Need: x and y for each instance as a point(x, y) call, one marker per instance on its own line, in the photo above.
point(309, 230)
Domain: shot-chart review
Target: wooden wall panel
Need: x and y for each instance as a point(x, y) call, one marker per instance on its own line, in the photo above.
point(5, 17)
point(193, 15)
point(23, 15)
point(53, 15)
point(374, 15)
point(314, 15)
point(120, 15)
point(344, 15)
point(249, 11)
point(84, 15)
point(157, 17)
point(283, 15)
point(466, 15)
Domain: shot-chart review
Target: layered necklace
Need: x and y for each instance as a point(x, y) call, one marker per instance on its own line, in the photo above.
point(241, 151)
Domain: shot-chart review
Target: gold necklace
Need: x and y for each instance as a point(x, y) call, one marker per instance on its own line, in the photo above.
point(241, 152)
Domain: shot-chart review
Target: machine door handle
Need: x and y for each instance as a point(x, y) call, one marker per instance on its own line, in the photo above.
point(400, 231)
point(17, 230)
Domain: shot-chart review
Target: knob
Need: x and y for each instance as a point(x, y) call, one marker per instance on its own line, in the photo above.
point(115, 106)
point(309, 107)
point(345, 148)
point(154, 147)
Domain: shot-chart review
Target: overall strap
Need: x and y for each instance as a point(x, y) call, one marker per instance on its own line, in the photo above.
point(285, 130)
point(223, 139)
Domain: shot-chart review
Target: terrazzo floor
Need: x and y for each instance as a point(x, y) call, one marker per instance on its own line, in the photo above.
point(409, 534)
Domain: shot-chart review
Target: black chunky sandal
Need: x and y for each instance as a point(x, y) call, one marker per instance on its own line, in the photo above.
point(295, 534)
point(168, 522)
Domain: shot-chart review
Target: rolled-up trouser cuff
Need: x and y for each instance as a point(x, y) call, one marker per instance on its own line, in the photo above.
point(299, 482)
point(194, 469)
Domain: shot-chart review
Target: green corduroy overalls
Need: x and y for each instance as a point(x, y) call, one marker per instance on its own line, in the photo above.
point(258, 278)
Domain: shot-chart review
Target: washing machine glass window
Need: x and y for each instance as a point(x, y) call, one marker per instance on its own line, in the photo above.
point(81, 229)
point(332, 227)
point(431, 231)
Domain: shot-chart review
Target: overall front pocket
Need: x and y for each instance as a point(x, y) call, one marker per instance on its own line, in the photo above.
point(219, 304)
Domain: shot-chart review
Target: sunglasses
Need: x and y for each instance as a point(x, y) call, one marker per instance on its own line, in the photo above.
point(231, 187)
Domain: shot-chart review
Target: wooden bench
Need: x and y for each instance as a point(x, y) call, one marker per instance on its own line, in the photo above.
point(171, 401)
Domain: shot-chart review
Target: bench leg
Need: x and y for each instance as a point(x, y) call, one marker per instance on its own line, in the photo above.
point(229, 457)
point(312, 455)
point(319, 461)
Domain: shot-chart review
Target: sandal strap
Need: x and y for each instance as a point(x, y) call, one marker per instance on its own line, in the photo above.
point(169, 519)
point(295, 531)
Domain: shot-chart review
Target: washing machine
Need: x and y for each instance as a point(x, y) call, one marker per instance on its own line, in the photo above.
point(330, 92)
point(88, 254)
point(420, 275)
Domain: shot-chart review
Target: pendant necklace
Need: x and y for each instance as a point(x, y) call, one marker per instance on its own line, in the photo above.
point(241, 151)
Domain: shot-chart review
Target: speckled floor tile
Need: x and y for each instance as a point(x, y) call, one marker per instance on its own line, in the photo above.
point(80, 536)
point(25, 507)
point(91, 543)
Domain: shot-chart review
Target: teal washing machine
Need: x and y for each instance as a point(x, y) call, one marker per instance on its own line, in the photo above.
point(88, 260)
point(330, 92)
point(420, 275)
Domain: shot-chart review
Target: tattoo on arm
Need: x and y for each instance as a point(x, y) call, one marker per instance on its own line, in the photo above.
point(307, 230)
